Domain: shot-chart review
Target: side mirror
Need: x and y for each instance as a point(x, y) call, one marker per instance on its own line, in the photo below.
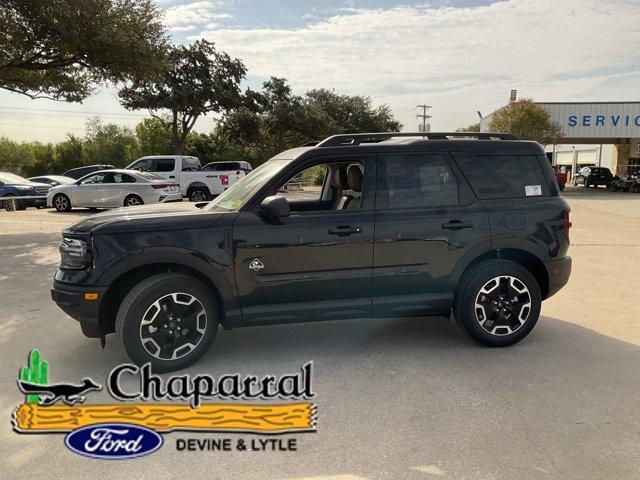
point(275, 207)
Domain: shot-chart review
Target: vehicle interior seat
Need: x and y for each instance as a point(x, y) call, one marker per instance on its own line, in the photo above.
point(339, 180)
point(354, 180)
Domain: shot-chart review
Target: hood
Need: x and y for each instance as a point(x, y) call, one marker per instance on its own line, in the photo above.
point(163, 216)
point(28, 183)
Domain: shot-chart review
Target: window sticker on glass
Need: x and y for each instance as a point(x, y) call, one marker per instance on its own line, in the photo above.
point(530, 190)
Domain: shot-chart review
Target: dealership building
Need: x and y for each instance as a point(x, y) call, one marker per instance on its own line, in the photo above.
point(604, 134)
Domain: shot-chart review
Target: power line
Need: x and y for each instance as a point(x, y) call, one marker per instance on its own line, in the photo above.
point(72, 112)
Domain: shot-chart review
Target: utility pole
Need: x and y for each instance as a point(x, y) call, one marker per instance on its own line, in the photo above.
point(425, 127)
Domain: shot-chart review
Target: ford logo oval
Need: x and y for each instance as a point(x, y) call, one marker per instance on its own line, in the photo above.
point(113, 441)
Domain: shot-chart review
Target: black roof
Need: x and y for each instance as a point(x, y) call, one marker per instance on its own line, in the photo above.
point(462, 142)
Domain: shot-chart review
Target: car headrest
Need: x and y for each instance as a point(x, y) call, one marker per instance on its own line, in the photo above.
point(354, 176)
point(339, 178)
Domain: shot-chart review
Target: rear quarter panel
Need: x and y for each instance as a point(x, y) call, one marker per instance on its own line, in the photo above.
point(534, 224)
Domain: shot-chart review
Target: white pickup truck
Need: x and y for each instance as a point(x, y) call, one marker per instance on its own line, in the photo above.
point(196, 184)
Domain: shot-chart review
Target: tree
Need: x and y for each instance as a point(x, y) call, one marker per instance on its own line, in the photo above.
point(153, 137)
point(526, 120)
point(109, 144)
point(350, 114)
point(60, 49)
point(199, 80)
point(474, 127)
point(275, 119)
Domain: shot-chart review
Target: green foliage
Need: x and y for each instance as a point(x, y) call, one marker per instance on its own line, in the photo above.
point(318, 175)
point(36, 371)
point(275, 119)
point(199, 80)
point(526, 120)
point(153, 137)
point(61, 49)
point(474, 127)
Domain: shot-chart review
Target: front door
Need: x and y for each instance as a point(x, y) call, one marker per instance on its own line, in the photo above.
point(426, 220)
point(88, 193)
point(315, 264)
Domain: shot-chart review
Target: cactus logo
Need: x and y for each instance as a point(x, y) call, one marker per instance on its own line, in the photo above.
point(33, 383)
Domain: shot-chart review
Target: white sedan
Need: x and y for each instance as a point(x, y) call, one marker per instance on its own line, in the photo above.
point(113, 188)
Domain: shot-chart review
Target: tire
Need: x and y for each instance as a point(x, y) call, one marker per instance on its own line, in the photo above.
point(608, 185)
point(198, 194)
point(61, 203)
point(614, 188)
point(635, 188)
point(14, 205)
point(496, 330)
point(148, 300)
point(132, 201)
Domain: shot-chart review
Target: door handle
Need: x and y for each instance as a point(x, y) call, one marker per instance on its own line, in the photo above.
point(172, 176)
point(456, 225)
point(344, 230)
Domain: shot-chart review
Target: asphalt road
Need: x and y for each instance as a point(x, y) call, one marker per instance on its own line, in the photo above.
point(397, 398)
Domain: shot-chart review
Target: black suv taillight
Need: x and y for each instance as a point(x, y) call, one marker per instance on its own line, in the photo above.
point(567, 225)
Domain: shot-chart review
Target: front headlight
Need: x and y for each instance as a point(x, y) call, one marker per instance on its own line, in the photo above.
point(74, 253)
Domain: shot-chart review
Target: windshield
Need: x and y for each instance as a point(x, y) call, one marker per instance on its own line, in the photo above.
point(238, 194)
point(10, 178)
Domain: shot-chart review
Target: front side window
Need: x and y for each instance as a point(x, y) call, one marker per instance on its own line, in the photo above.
point(417, 181)
point(305, 185)
point(143, 165)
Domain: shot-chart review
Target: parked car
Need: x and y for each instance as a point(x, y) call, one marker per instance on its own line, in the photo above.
point(15, 186)
point(561, 178)
point(79, 172)
point(241, 168)
point(472, 227)
point(628, 183)
point(195, 184)
point(113, 188)
point(593, 177)
point(52, 180)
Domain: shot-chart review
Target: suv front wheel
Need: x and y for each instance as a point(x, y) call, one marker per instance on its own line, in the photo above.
point(498, 303)
point(169, 320)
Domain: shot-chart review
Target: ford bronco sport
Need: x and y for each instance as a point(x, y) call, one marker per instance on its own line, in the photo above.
point(402, 225)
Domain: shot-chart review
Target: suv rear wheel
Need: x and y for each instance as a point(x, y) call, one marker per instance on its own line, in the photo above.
point(497, 303)
point(169, 320)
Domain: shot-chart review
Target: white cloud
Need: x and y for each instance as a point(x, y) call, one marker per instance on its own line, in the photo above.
point(192, 14)
point(458, 59)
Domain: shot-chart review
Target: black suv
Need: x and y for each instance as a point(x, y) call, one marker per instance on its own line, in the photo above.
point(593, 176)
point(402, 225)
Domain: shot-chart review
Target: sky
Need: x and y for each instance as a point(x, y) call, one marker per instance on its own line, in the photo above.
point(460, 57)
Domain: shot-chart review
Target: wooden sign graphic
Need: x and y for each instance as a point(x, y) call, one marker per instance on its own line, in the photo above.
point(259, 418)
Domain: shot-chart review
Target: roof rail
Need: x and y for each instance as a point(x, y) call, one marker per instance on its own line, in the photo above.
point(358, 138)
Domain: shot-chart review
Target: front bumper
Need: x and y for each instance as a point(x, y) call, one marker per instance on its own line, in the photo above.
point(71, 299)
point(558, 272)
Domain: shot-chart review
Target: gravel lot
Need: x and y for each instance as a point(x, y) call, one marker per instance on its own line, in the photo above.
point(397, 398)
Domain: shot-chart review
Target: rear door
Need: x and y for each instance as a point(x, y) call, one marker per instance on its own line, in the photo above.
point(426, 219)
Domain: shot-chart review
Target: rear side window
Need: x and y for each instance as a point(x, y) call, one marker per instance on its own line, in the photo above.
point(418, 181)
point(503, 176)
point(165, 165)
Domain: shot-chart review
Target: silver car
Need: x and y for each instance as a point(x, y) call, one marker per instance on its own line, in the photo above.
point(113, 188)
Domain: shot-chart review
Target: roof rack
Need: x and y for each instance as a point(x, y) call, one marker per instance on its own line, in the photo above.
point(358, 138)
